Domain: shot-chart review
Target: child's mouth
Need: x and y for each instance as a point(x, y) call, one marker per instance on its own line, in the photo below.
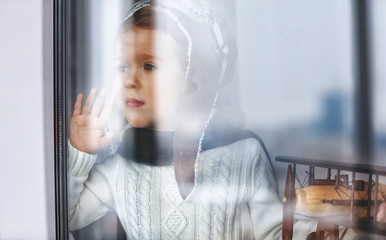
point(133, 103)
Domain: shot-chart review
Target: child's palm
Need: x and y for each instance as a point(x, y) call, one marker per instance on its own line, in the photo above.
point(87, 124)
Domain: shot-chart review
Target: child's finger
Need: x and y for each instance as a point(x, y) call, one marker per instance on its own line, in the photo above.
point(89, 102)
point(78, 105)
point(96, 108)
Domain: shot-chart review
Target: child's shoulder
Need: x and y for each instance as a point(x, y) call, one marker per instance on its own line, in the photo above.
point(236, 162)
point(251, 144)
point(247, 151)
point(247, 146)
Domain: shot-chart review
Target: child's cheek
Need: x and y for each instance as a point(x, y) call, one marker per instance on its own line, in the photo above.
point(168, 93)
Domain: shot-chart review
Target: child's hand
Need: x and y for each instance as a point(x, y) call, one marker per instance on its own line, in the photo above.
point(87, 124)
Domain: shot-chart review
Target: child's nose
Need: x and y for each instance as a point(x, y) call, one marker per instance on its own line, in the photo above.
point(131, 80)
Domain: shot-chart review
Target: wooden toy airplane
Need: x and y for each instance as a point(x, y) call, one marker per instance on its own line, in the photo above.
point(336, 201)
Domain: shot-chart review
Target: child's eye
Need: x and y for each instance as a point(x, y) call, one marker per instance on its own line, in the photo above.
point(150, 67)
point(122, 68)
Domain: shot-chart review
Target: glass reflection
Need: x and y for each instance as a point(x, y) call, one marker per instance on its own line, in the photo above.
point(158, 146)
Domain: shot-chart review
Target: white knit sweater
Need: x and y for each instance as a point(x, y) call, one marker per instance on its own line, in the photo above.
point(233, 196)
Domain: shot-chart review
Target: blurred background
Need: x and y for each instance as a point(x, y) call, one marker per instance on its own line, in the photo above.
point(311, 77)
point(311, 83)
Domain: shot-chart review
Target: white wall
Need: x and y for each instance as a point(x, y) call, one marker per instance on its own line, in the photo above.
point(23, 201)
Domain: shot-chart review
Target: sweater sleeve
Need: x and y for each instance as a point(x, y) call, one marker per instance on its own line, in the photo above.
point(264, 203)
point(89, 195)
point(266, 206)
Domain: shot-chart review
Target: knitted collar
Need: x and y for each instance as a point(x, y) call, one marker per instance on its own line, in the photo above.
point(155, 148)
point(147, 146)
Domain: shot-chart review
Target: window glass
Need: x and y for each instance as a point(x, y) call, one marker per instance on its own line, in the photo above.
point(170, 103)
point(93, 29)
point(296, 76)
point(378, 53)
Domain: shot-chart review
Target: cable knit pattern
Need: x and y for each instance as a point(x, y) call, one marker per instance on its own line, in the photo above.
point(175, 223)
point(131, 192)
point(174, 220)
point(204, 183)
point(233, 187)
point(143, 203)
point(221, 193)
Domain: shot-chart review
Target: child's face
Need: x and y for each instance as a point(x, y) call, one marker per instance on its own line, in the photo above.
point(150, 67)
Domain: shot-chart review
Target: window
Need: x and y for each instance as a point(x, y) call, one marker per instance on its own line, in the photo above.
point(303, 71)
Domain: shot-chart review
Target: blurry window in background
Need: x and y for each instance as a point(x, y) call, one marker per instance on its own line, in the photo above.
point(378, 60)
point(296, 66)
point(299, 77)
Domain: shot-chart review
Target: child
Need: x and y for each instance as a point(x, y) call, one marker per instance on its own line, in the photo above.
point(183, 168)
